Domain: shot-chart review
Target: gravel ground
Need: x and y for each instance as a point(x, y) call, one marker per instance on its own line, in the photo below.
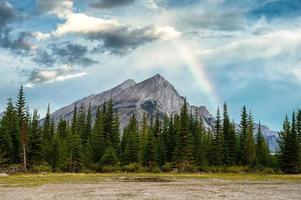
point(176, 189)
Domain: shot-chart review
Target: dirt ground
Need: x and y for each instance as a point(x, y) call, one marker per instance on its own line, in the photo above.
point(175, 189)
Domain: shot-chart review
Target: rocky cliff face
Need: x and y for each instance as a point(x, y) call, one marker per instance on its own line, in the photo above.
point(150, 96)
point(153, 95)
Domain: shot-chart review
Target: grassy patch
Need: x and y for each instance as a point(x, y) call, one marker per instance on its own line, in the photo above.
point(31, 180)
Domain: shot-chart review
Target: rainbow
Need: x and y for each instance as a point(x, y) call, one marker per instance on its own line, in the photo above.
point(187, 54)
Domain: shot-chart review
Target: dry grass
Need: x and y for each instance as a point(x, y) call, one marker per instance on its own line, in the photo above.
point(31, 180)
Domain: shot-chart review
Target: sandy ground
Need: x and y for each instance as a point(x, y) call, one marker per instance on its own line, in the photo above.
point(176, 189)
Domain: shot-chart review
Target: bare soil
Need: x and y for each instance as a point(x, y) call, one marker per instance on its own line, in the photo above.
point(173, 189)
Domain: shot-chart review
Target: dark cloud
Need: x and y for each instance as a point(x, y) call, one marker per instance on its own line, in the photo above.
point(44, 58)
point(122, 40)
point(110, 3)
point(20, 45)
point(6, 13)
point(64, 53)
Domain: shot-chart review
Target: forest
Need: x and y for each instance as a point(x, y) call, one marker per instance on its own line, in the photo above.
point(177, 143)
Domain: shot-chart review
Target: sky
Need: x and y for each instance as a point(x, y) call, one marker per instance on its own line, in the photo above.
point(243, 52)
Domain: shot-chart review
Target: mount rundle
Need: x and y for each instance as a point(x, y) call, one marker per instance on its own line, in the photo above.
point(150, 96)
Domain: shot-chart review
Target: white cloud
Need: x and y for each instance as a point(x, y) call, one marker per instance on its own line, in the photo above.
point(255, 47)
point(53, 75)
point(83, 24)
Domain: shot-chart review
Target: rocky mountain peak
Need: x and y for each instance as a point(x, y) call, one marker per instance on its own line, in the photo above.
point(126, 84)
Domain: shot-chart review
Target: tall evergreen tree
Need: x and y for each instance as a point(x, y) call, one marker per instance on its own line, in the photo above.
point(10, 134)
point(250, 143)
point(74, 125)
point(262, 151)
point(130, 142)
point(97, 140)
point(115, 136)
point(290, 147)
point(35, 145)
point(218, 141)
point(243, 131)
point(22, 113)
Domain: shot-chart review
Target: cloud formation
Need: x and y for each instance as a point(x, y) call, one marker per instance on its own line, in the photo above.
point(110, 3)
point(114, 37)
point(60, 8)
point(64, 53)
point(65, 72)
point(6, 13)
point(20, 45)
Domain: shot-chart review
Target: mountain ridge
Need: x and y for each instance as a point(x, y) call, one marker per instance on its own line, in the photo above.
point(150, 96)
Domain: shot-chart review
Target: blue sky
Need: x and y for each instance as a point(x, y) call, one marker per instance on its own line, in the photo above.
point(244, 52)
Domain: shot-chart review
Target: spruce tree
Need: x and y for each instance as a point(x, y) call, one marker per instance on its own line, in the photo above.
point(22, 113)
point(262, 152)
point(171, 141)
point(250, 143)
point(81, 122)
point(74, 125)
point(96, 146)
point(228, 139)
point(62, 129)
point(218, 141)
point(88, 125)
point(130, 142)
point(10, 134)
point(243, 129)
point(35, 145)
point(115, 135)
point(290, 147)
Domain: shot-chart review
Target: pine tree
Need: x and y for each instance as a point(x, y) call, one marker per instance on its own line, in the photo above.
point(62, 129)
point(149, 151)
point(144, 130)
point(115, 135)
point(289, 147)
point(130, 142)
point(200, 143)
point(96, 144)
point(81, 122)
point(242, 156)
point(171, 141)
point(88, 125)
point(10, 135)
point(262, 152)
point(218, 141)
point(74, 125)
point(54, 159)
point(74, 153)
point(185, 140)
point(109, 158)
point(250, 143)
point(35, 144)
point(22, 113)
point(228, 136)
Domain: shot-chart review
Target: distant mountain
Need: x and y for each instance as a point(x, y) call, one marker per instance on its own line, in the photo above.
point(150, 96)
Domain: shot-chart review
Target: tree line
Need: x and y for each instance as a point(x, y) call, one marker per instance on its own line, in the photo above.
point(158, 143)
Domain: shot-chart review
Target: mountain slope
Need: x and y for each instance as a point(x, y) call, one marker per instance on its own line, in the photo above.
point(150, 96)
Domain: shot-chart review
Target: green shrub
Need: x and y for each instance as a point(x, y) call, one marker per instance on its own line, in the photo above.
point(109, 169)
point(41, 168)
point(167, 167)
point(132, 167)
point(155, 170)
point(109, 158)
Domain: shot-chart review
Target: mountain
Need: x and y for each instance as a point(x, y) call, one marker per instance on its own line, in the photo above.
point(150, 96)
point(153, 95)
